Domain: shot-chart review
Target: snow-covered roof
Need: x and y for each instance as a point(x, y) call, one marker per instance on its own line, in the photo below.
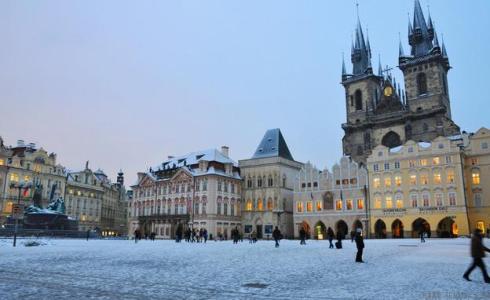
point(194, 158)
point(424, 144)
point(396, 149)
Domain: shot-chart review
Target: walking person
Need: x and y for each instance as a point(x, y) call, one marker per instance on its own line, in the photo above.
point(276, 234)
point(360, 245)
point(478, 253)
point(302, 236)
point(88, 234)
point(330, 236)
point(422, 236)
point(338, 244)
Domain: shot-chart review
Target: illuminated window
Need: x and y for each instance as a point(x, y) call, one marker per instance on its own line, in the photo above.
point(450, 176)
point(360, 203)
point(376, 183)
point(299, 207)
point(248, 206)
point(413, 179)
point(387, 181)
point(425, 198)
point(398, 180)
point(424, 179)
point(269, 204)
point(452, 199)
point(14, 177)
point(260, 205)
point(423, 162)
point(399, 201)
point(412, 163)
point(389, 202)
point(437, 178)
point(349, 205)
point(436, 160)
point(2, 162)
point(309, 206)
point(475, 177)
point(414, 201)
point(439, 200)
point(377, 203)
point(480, 225)
point(338, 205)
point(79, 193)
point(319, 206)
point(8, 207)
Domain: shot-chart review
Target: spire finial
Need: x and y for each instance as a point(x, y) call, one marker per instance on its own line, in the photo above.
point(380, 67)
point(400, 47)
point(344, 72)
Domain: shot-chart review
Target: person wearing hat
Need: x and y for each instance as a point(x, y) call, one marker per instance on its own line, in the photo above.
point(478, 253)
point(360, 245)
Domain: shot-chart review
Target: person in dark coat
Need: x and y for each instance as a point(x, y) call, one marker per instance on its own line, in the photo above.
point(276, 234)
point(338, 244)
point(302, 236)
point(330, 236)
point(352, 236)
point(88, 234)
point(478, 253)
point(359, 244)
point(422, 236)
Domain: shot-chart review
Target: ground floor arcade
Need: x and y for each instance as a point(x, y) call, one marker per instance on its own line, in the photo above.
point(316, 226)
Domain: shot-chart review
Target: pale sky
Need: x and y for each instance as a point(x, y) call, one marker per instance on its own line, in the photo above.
point(124, 84)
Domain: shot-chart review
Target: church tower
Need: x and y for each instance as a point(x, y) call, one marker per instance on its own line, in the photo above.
point(362, 89)
point(379, 112)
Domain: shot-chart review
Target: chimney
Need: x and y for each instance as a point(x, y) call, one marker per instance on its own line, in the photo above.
point(225, 151)
point(20, 143)
point(170, 157)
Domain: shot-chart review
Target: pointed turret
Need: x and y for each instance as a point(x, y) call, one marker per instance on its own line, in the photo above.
point(344, 72)
point(444, 52)
point(361, 52)
point(437, 48)
point(420, 38)
point(380, 67)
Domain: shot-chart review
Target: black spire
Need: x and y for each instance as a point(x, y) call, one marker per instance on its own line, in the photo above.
point(361, 52)
point(421, 35)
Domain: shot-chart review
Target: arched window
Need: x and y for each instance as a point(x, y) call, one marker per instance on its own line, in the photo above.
point(422, 83)
point(425, 127)
point(391, 140)
point(358, 99)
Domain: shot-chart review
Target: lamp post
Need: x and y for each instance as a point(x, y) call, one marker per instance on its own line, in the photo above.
point(20, 185)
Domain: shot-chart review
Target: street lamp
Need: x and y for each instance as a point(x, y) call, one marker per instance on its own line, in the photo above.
point(19, 185)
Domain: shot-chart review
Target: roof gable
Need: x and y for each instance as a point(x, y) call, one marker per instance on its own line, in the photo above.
point(273, 145)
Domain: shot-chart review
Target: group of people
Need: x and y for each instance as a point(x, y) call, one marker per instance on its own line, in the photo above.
point(355, 236)
point(195, 235)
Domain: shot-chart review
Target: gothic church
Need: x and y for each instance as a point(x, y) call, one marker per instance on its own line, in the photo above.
point(379, 111)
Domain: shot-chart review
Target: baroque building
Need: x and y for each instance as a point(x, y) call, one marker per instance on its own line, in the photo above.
point(96, 202)
point(29, 164)
point(268, 186)
point(334, 199)
point(379, 112)
point(201, 189)
point(418, 187)
point(477, 178)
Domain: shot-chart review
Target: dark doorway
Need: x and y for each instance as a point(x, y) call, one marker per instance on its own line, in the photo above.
point(259, 231)
point(447, 228)
point(397, 229)
point(342, 228)
point(420, 225)
point(380, 229)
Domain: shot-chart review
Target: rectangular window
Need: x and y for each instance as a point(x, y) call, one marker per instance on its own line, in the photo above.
point(218, 209)
point(375, 167)
point(484, 145)
point(413, 179)
point(338, 205)
point(376, 183)
point(414, 201)
point(309, 206)
point(437, 178)
point(412, 163)
point(360, 203)
point(397, 165)
point(450, 176)
point(349, 205)
point(219, 186)
point(424, 162)
point(399, 202)
point(424, 179)
point(448, 159)
point(377, 203)
point(436, 160)
point(226, 187)
point(425, 198)
point(388, 182)
point(14, 177)
point(452, 199)
point(225, 209)
point(389, 202)
point(439, 200)
point(260, 205)
point(318, 205)
point(299, 207)
point(387, 166)
point(398, 180)
point(475, 177)
point(477, 199)
point(337, 182)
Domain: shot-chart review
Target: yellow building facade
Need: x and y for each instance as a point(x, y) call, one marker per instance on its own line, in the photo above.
point(417, 187)
point(477, 179)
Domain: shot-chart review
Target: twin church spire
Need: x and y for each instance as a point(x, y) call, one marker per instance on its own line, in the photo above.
point(422, 38)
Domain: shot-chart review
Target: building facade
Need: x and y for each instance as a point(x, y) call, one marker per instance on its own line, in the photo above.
point(334, 199)
point(477, 179)
point(418, 187)
point(198, 190)
point(379, 112)
point(268, 187)
point(25, 163)
point(96, 202)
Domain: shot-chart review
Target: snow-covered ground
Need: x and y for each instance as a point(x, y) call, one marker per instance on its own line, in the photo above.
point(121, 269)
